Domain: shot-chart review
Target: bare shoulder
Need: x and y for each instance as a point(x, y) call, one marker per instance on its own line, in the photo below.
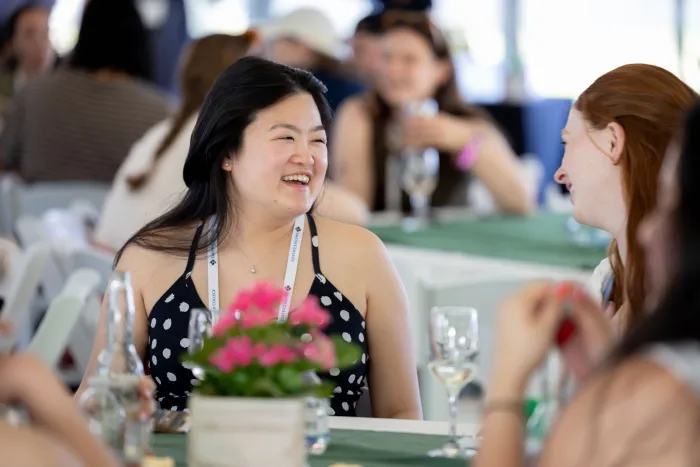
point(154, 268)
point(26, 446)
point(353, 240)
point(355, 109)
point(636, 408)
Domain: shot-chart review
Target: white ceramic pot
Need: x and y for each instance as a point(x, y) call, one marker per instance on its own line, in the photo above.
point(246, 432)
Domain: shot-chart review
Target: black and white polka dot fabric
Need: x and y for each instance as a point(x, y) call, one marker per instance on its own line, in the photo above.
point(169, 321)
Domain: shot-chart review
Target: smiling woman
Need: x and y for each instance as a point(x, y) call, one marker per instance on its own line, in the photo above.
point(256, 165)
point(616, 137)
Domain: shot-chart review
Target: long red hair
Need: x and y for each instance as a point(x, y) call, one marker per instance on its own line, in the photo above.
point(650, 104)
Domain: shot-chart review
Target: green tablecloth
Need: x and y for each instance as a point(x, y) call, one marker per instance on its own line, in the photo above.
point(538, 238)
point(366, 448)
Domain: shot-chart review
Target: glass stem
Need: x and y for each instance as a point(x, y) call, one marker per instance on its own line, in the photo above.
point(420, 204)
point(452, 400)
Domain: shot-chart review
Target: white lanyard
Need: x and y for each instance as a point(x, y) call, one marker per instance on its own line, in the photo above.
point(289, 276)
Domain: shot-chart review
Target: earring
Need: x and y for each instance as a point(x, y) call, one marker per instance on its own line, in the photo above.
point(227, 166)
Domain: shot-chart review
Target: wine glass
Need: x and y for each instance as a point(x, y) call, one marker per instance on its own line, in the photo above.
point(419, 174)
point(419, 169)
point(454, 345)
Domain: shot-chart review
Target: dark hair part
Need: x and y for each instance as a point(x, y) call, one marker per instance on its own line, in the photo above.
point(10, 29)
point(202, 63)
point(370, 24)
point(244, 89)
point(113, 37)
point(676, 318)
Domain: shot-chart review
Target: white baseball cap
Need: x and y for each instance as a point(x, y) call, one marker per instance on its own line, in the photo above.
point(310, 27)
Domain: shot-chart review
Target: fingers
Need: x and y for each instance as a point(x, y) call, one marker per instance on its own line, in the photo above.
point(590, 317)
point(551, 313)
point(6, 328)
point(148, 404)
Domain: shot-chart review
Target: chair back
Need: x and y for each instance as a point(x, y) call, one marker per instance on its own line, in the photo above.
point(57, 325)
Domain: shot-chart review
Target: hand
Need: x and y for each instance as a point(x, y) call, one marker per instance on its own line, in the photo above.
point(6, 328)
point(527, 324)
point(148, 404)
point(593, 338)
point(442, 132)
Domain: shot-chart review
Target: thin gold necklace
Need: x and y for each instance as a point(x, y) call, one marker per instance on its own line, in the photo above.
point(252, 266)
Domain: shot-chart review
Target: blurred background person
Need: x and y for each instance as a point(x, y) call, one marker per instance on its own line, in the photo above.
point(416, 65)
point(306, 39)
point(150, 179)
point(365, 44)
point(79, 123)
point(29, 52)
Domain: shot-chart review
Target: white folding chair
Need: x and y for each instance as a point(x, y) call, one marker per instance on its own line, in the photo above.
point(37, 198)
point(93, 259)
point(57, 325)
point(22, 291)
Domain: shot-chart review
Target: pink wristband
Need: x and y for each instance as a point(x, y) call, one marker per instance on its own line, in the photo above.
point(467, 156)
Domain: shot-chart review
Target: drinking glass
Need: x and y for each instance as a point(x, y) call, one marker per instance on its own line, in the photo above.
point(419, 174)
point(419, 169)
point(200, 328)
point(454, 344)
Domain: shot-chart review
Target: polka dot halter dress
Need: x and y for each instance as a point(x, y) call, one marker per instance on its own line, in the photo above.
point(169, 321)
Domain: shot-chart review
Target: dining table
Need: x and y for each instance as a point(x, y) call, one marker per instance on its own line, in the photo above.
point(359, 441)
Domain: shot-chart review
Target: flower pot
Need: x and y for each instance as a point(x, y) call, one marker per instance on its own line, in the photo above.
point(246, 432)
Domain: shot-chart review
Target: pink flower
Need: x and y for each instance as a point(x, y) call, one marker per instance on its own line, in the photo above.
point(237, 352)
point(266, 296)
point(320, 351)
point(310, 313)
point(253, 318)
point(242, 302)
point(225, 323)
point(277, 354)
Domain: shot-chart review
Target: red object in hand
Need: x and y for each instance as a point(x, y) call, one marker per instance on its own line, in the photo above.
point(566, 331)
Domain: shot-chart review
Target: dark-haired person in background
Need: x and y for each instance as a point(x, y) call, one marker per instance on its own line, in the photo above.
point(27, 48)
point(306, 39)
point(79, 123)
point(415, 65)
point(256, 165)
point(365, 46)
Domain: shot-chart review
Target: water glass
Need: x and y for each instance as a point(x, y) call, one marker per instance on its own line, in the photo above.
point(454, 345)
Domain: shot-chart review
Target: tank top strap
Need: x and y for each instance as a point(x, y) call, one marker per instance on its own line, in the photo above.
point(193, 249)
point(314, 243)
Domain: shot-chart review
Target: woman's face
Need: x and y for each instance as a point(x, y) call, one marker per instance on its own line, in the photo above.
point(656, 230)
point(408, 71)
point(282, 163)
point(589, 172)
point(31, 42)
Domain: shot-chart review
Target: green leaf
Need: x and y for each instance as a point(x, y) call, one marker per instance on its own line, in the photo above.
point(265, 387)
point(290, 380)
point(347, 354)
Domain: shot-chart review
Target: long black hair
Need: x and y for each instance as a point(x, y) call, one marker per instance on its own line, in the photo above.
point(112, 36)
point(245, 88)
point(677, 317)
